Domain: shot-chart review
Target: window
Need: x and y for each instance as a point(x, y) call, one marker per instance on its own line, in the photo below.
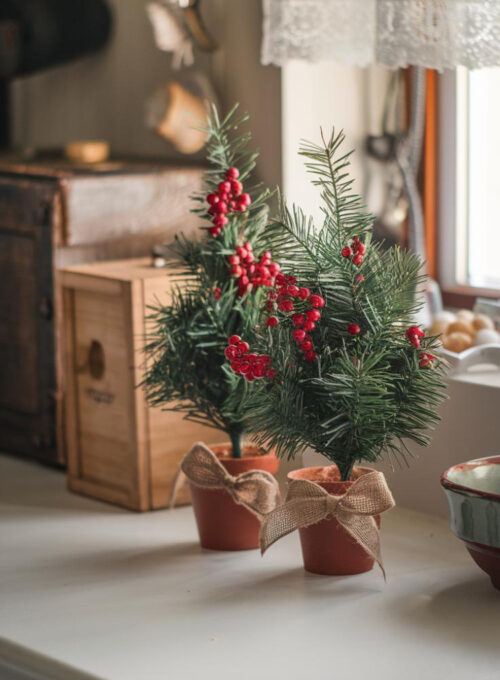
point(470, 178)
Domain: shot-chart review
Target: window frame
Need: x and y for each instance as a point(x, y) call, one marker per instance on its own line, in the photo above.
point(450, 115)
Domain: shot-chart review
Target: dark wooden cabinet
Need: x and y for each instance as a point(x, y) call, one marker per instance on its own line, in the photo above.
point(27, 343)
point(48, 219)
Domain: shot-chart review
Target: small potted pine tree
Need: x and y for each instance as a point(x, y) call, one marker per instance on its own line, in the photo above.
point(353, 376)
point(222, 280)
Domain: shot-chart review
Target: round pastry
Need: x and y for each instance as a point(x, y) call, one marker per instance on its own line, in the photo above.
point(465, 315)
point(445, 317)
point(481, 321)
point(438, 327)
point(461, 326)
point(458, 342)
point(487, 336)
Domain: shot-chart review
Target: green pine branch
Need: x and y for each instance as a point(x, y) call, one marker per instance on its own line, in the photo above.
point(186, 367)
point(365, 395)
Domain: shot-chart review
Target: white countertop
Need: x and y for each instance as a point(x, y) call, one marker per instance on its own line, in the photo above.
point(91, 591)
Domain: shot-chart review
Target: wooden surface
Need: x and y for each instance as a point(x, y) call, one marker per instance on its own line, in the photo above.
point(54, 215)
point(28, 384)
point(93, 591)
point(119, 449)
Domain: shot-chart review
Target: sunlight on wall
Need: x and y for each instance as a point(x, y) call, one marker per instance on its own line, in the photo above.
point(326, 95)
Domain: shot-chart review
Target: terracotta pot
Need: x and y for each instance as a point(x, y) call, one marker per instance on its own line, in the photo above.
point(222, 523)
point(327, 548)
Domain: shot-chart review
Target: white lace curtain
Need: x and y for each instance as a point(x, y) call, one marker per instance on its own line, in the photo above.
point(431, 33)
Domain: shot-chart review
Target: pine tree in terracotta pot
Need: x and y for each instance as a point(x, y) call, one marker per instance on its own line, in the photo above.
point(354, 376)
point(222, 283)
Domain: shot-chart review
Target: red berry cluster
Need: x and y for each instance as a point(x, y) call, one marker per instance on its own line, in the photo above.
point(250, 366)
point(252, 273)
point(426, 360)
point(229, 198)
point(413, 334)
point(286, 297)
point(355, 252)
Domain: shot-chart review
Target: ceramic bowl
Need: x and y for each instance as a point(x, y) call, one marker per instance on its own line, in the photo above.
point(473, 493)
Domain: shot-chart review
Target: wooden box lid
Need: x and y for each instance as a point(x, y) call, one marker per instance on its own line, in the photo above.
point(115, 199)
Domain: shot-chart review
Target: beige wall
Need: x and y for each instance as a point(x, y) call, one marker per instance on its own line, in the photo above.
point(103, 96)
point(326, 95)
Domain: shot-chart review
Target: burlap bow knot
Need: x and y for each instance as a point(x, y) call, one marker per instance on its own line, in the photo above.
point(308, 503)
point(256, 490)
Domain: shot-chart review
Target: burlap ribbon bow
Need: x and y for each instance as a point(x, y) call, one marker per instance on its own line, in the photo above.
point(308, 503)
point(256, 490)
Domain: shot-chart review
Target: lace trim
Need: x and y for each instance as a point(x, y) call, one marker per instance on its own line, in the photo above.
point(431, 33)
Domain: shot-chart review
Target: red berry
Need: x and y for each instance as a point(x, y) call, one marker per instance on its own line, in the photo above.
point(220, 221)
point(414, 330)
point(212, 199)
point(426, 360)
point(236, 270)
point(265, 359)
point(299, 335)
point(242, 252)
point(313, 315)
point(231, 352)
point(214, 231)
point(360, 248)
point(316, 301)
point(298, 320)
point(353, 329)
point(360, 278)
point(232, 173)
point(280, 280)
point(272, 321)
point(291, 279)
point(286, 306)
point(304, 293)
point(271, 373)
point(235, 365)
point(217, 293)
point(310, 356)
point(358, 260)
point(293, 291)
point(233, 259)
point(346, 252)
point(248, 246)
point(245, 199)
point(221, 207)
point(243, 347)
point(274, 268)
point(249, 377)
point(309, 326)
point(245, 367)
point(306, 346)
point(234, 339)
point(236, 187)
point(259, 370)
point(224, 188)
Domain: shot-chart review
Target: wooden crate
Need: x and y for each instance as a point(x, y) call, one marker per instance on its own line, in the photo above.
point(55, 214)
point(119, 449)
